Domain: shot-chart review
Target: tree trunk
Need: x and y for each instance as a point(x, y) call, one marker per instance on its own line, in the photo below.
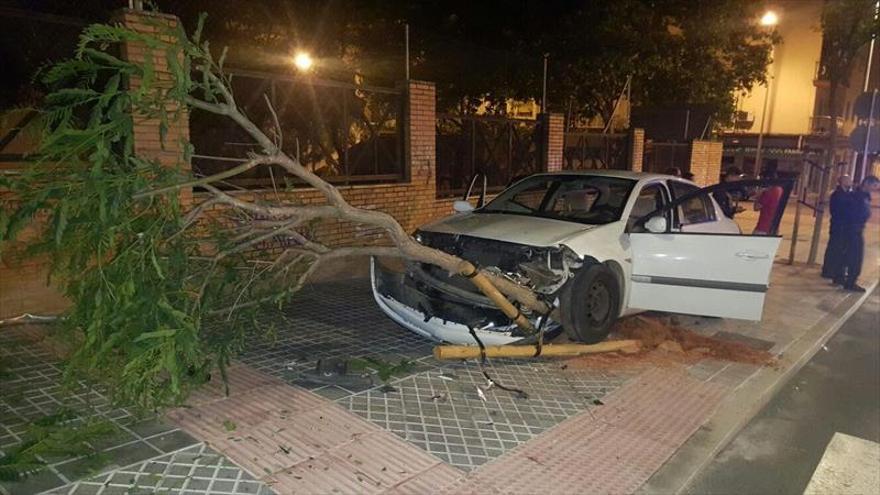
point(826, 172)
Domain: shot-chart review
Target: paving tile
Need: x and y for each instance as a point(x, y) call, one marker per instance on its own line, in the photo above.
point(118, 457)
point(755, 343)
point(432, 480)
point(331, 321)
point(171, 441)
point(31, 390)
point(622, 442)
point(441, 410)
point(45, 480)
point(322, 476)
point(194, 470)
point(216, 420)
point(384, 458)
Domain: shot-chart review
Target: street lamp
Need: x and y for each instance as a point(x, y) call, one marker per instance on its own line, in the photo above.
point(768, 20)
point(303, 61)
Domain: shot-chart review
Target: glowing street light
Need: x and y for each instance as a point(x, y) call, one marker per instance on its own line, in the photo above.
point(769, 18)
point(303, 61)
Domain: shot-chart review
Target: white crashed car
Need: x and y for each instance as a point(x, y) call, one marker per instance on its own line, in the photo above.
point(597, 244)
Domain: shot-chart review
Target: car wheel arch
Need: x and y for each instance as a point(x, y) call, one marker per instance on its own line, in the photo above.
point(617, 269)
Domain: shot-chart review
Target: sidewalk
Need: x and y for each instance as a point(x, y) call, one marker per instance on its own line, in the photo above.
point(639, 429)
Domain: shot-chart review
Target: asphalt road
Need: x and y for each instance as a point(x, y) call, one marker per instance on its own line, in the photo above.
point(838, 391)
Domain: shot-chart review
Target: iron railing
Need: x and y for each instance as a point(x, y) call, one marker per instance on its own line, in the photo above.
point(661, 157)
point(502, 148)
point(820, 125)
point(345, 133)
point(592, 150)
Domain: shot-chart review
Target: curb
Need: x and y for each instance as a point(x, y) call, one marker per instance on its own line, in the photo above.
point(743, 404)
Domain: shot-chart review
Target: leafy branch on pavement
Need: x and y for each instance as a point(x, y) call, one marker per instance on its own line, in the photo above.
point(385, 370)
point(55, 435)
point(164, 291)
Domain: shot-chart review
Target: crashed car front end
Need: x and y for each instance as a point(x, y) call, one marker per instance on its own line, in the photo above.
point(443, 307)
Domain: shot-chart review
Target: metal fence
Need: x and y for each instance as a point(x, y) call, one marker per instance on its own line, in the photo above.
point(345, 133)
point(503, 149)
point(591, 150)
point(660, 157)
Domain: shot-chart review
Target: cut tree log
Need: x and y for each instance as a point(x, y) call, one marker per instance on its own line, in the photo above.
point(468, 270)
point(527, 351)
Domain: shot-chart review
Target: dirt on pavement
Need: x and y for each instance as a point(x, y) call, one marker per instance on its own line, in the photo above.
point(667, 344)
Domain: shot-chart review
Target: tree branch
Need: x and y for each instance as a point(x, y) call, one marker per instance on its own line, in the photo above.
point(339, 208)
point(238, 169)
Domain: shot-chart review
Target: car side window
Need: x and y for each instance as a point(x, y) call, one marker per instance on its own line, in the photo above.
point(698, 209)
point(650, 199)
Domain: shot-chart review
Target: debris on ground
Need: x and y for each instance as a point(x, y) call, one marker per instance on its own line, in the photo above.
point(664, 342)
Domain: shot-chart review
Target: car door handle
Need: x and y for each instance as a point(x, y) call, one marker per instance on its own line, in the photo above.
point(751, 255)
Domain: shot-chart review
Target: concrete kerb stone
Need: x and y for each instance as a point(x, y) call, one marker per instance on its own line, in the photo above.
point(746, 401)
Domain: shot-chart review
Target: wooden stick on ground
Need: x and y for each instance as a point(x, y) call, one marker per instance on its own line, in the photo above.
point(527, 351)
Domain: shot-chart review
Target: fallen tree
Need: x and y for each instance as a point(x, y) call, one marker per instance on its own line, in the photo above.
point(163, 291)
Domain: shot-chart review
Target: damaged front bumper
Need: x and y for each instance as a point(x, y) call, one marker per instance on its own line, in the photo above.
point(439, 309)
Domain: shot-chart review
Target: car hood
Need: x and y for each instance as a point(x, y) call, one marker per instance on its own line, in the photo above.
point(519, 229)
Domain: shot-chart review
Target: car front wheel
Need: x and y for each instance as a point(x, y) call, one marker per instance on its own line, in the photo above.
point(589, 304)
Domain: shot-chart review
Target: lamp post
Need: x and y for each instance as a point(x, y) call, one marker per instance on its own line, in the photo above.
point(768, 20)
point(544, 85)
point(873, 97)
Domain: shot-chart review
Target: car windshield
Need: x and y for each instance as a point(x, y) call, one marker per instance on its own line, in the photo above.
point(591, 199)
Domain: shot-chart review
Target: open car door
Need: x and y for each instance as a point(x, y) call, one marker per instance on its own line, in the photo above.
point(703, 273)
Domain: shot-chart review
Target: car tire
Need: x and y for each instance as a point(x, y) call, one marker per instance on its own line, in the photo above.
point(589, 304)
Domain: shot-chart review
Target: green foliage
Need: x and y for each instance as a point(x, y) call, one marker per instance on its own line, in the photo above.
point(678, 51)
point(385, 370)
point(57, 435)
point(847, 26)
point(143, 286)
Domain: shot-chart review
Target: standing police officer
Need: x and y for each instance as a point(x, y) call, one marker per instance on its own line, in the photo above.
point(856, 209)
point(833, 265)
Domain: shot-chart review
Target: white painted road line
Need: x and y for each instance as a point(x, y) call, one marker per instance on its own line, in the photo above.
point(849, 466)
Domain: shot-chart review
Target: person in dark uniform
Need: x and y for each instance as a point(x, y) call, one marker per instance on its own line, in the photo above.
point(723, 197)
point(855, 210)
point(832, 266)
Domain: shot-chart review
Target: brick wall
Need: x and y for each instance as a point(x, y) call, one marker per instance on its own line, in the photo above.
point(553, 125)
point(637, 150)
point(705, 161)
point(147, 140)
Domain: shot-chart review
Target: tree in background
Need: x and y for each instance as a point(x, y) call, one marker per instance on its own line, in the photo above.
point(847, 27)
point(677, 51)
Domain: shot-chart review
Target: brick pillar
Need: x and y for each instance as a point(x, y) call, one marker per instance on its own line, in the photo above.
point(636, 149)
point(553, 141)
point(713, 166)
point(420, 132)
point(705, 161)
point(147, 140)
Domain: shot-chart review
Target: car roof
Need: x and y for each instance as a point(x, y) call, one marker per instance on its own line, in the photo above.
point(620, 174)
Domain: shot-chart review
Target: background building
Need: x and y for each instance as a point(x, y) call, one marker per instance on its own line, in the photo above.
point(793, 109)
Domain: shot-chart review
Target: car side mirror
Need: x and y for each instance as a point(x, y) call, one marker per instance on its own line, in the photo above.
point(462, 206)
point(657, 224)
